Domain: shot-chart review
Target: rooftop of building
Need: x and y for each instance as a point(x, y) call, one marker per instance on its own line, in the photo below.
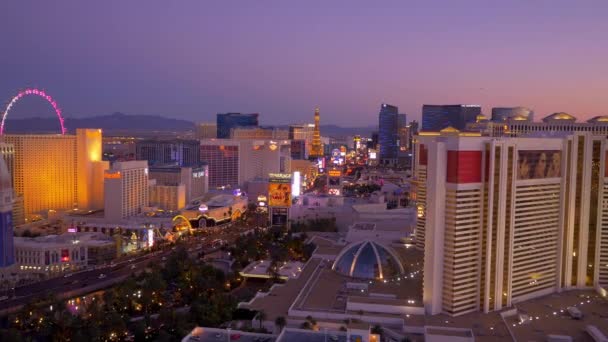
point(238, 114)
point(88, 239)
point(324, 244)
point(601, 118)
point(175, 167)
point(448, 332)
point(301, 335)
point(260, 269)
point(559, 116)
point(128, 165)
point(200, 334)
point(364, 226)
point(216, 200)
point(280, 297)
point(538, 318)
point(319, 288)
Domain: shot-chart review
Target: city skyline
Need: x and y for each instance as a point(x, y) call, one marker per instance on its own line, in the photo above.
point(122, 59)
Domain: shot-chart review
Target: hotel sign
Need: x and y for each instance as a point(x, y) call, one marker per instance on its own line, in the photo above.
point(112, 175)
point(282, 178)
point(334, 173)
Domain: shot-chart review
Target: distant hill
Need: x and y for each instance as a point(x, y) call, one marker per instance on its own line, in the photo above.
point(337, 131)
point(119, 122)
point(109, 123)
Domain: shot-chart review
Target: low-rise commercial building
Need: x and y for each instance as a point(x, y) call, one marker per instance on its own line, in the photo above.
point(47, 255)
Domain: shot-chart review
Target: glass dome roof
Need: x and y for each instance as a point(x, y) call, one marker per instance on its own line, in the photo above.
point(368, 260)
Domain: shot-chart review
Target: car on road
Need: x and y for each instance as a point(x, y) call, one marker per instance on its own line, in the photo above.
point(164, 259)
point(218, 335)
point(102, 276)
point(133, 267)
point(68, 275)
point(235, 337)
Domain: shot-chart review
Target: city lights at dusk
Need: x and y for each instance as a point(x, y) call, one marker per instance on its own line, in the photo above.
point(319, 171)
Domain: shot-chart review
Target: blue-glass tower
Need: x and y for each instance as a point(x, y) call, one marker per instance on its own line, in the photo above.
point(228, 121)
point(437, 117)
point(7, 249)
point(388, 132)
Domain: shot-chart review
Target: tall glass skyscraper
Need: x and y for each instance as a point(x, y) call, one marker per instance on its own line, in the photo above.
point(228, 121)
point(388, 133)
point(437, 117)
point(7, 249)
point(169, 152)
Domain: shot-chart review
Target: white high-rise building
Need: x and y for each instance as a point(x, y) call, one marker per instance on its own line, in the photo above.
point(126, 189)
point(506, 220)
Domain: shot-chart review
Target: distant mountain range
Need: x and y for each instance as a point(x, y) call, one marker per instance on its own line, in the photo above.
point(119, 122)
point(116, 121)
point(338, 131)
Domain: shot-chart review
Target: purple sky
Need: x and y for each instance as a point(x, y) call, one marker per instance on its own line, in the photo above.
point(192, 59)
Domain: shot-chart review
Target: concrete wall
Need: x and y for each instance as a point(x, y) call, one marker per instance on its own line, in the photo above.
point(385, 308)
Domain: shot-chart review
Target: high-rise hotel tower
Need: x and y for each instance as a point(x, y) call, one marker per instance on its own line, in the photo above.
point(506, 220)
point(58, 172)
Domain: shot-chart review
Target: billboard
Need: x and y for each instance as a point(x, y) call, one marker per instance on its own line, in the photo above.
point(278, 216)
point(334, 173)
point(279, 194)
point(539, 164)
point(296, 184)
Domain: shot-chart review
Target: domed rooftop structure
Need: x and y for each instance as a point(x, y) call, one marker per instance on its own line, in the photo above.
point(520, 118)
point(449, 131)
point(368, 260)
point(595, 119)
point(559, 117)
point(481, 118)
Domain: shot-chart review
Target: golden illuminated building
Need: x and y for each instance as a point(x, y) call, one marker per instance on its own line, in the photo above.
point(58, 172)
point(317, 146)
point(90, 168)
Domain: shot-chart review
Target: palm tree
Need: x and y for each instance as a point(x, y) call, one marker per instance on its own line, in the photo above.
point(312, 323)
point(280, 322)
point(261, 317)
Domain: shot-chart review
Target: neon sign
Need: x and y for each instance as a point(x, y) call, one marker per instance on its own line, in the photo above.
point(37, 92)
